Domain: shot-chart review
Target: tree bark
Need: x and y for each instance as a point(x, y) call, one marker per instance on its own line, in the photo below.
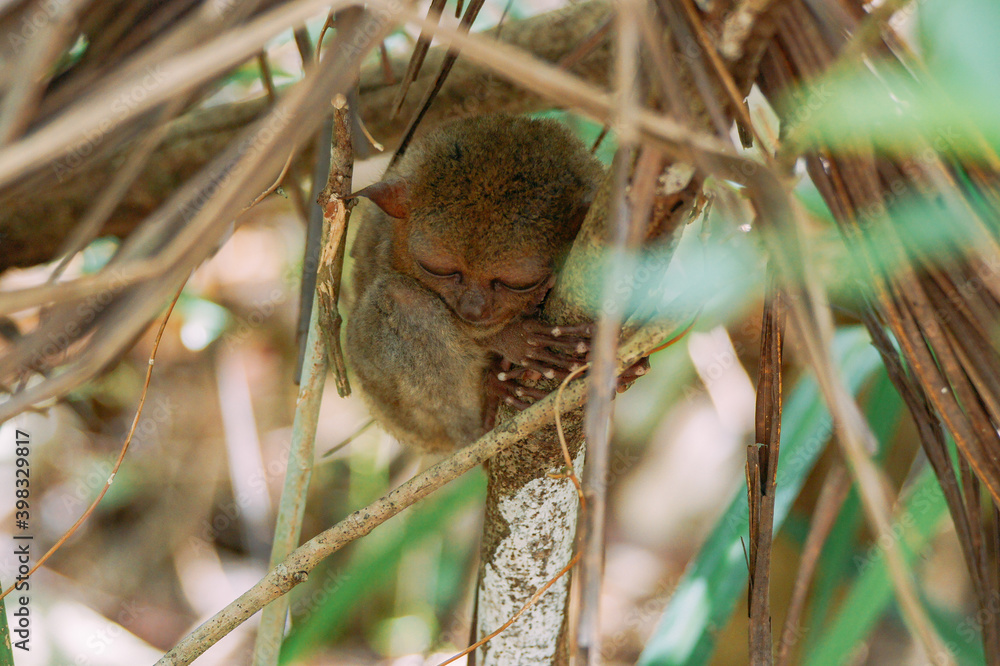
point(530, 523)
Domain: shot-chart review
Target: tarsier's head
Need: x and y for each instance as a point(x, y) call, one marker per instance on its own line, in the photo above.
point(485, 209)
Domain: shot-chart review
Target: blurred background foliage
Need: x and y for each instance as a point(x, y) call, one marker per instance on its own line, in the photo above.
point(186, 525)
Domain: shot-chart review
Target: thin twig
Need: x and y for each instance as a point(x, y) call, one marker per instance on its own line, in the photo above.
point(327, 24)
point(561, 434)
point(336, 217)
point(723, 73)
point(587, 44)
point(275, 185)
point(98, 214)
point(266, 77)
point(314, 241)
point(291, 511)
point(417, 58)
point(762, 473)
point(350, 438)
point(597, 421)
point(298, 472)
point(446, 65)
point(36, 67)
point(268, 80)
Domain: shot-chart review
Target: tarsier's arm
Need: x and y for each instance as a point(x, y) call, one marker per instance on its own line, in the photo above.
point(422, 379)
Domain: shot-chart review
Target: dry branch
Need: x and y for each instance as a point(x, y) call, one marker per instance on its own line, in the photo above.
point(320, 354)
point(762, 474)
point(621, 233)
point(195, 139)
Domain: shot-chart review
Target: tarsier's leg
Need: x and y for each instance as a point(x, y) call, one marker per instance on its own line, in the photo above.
point(422, 377)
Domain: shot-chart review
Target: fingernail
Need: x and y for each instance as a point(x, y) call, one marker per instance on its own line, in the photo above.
point(556, 332)
point(581, 348)
point(502, 376)
point(549, 374)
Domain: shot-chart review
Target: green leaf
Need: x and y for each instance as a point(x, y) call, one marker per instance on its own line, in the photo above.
point(959, 634)
point(898, 114)
point(713, 277)
point(958, 39)
point(872, 592)
point(366, 575)
point(883, 410)
point(949, 105)
point(714, 580)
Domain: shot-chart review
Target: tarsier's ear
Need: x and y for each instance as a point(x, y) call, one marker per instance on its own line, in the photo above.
point(391, 195)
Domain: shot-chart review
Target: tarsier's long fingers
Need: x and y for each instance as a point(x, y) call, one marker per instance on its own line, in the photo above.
point(509, 373)
point(570, 345)
point(632, 373)
point(552, 352)
point(506, 377)
point(517, 403)
point(559, 370)
point(502, 387)
point(532, 392)
point(537, 327)
point(552, 359)
point(519, 372)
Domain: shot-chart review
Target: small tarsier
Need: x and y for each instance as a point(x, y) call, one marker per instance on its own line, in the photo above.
point(452, 263)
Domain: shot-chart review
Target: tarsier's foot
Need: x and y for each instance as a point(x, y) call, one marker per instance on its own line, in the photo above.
point(576, 341)
point(502, 387)
point(553, 352)
point(632, 373)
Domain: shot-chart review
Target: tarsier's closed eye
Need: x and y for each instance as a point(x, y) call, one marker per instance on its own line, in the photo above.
point(517, 288)
point(438, 272)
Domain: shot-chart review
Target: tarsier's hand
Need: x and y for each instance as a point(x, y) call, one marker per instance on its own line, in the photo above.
point(531, 349)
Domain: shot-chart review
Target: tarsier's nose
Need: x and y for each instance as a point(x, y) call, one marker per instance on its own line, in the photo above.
point(472, 306)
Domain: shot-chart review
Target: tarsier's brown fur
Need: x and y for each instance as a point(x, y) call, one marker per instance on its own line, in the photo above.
point(452, 264)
